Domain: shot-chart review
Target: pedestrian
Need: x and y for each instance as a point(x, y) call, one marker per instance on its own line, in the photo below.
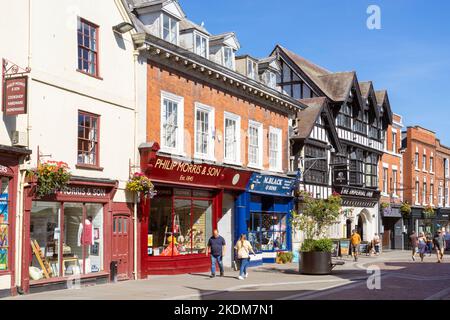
point(414, 244)
point(429, 244)
point(243, 248)
point(216, 248)
point(355, 242)
point(439, 245)
point(376, 243)
point(422, 245)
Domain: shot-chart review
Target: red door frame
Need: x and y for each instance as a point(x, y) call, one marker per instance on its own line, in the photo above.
point(124, 209)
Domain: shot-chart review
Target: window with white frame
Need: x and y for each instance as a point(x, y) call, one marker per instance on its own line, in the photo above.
point(431, 194)
point(416, 192)
point(416, 160)
point(169, 29)
point(228, 57)
point(446, 195)
point(394, 181)
point(255, 144)
point(424, 193)
point(431, 164)
point(204, 131)
point(201, 45)
point(251, 69)
point(424, 162)
point(275, 147)
point(232, 129)
point(271, 79)
point(394, 141)
point(385, 180)
point(446, 167)
point(440, 195)
point(172, 110)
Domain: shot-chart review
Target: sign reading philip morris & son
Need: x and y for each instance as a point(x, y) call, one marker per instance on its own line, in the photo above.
point(15, 96)
point(272, 185)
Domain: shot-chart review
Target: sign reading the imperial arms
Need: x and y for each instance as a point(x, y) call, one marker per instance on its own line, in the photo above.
point(164, 169)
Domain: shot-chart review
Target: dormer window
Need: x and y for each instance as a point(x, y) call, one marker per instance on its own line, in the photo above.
point(201, 45)
point(271, 79)
point(169, 29)
point(251, 69)
point(228, 57)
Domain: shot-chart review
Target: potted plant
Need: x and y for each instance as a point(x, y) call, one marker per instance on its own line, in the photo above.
point(405, 209)
point(284, 257)
point(428, 212)
point(50, 177)
point(384, 205)
point(316, 216)
point(139, 183)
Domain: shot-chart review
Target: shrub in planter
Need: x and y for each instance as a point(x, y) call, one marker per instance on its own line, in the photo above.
point(321, 245)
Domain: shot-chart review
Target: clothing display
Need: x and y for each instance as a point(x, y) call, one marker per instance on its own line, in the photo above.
point(85, 234)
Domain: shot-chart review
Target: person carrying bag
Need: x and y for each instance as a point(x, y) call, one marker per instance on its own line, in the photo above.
point(243, 248)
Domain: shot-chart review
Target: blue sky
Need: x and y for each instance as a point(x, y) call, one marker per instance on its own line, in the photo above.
point(409, 56)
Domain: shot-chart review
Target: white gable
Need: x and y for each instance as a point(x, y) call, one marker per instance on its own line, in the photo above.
point(174, 9)
point(232, 42)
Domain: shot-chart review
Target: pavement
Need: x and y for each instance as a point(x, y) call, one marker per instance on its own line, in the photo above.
point(391, 276)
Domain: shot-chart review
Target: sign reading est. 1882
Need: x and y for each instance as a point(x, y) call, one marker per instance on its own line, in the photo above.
point(272, 185)
point(15, 96)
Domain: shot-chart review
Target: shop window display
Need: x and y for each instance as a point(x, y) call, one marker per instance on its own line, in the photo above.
point(179, 225)
point(82, 239)
point(267, 231)
point(4, 224)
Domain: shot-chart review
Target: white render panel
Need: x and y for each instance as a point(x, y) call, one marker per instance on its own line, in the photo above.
point(5, 282)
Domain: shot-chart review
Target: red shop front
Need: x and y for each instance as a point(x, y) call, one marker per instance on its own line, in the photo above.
point(10, 158)
point(69, 237)
point(175, 226)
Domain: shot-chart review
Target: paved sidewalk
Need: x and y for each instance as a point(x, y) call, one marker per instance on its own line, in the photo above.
point(400, 279)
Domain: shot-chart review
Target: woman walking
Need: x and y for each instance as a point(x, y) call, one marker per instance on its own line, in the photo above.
point(422, 245)
point(243, 248)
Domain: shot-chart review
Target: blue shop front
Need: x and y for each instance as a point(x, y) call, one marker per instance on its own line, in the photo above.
point(263, 213)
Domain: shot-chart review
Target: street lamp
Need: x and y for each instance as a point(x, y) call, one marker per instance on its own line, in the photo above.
point(123, 27)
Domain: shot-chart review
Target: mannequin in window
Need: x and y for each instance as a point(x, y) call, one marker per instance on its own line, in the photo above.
point(85, 233)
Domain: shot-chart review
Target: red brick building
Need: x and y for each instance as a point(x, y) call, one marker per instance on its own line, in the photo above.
point(425, 163)
point(391, 186)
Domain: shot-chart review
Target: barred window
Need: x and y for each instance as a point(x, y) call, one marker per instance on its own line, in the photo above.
point(357, 168)
point(315, 170)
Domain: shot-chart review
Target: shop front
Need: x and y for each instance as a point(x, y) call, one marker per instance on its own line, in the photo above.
point(176, 224)
point(68, 236)
point(392, 230)
point(10, 158)
point(263, 213)
point(443, 219)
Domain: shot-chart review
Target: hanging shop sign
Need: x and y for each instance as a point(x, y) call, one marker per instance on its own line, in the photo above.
point(340, 176)
point(271, 185)
point(15, 95)
point(168, 170)
point(6, 171)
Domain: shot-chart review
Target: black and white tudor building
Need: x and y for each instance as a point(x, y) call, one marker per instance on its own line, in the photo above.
point(337, 142)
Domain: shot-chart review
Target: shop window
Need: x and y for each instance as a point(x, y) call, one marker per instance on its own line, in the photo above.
point(232, 137)
point(88, 47)
point(88, 138)
point(267, 231)
point(4, 224)
point(81, 240)
point(179, 226)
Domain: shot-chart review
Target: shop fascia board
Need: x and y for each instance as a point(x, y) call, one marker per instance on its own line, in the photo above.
point(155, 46)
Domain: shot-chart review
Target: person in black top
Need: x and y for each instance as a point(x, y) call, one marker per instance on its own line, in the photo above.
point(216, 248)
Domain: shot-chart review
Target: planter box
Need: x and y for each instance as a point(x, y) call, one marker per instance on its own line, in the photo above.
point(315, 263)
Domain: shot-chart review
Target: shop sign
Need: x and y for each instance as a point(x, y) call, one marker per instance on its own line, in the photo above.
point(392, 213)
point(5, 170)
point(272, 185)
point(15, 96)
point(358, 192)
point(344, 246)
point(82, 191)
point(164, 169)
point(340, 176)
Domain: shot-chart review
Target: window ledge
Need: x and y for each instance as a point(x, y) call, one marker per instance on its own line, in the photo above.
point(172, 152)
point(81, 166)
point(432, 172)
point(424, 171)
point(204, 158)
point(90, 75)
point(276, 170)
point(254, 166)
point(233, 163)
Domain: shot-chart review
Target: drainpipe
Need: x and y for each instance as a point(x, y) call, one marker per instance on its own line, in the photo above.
point(19, 231)
point(135, 218)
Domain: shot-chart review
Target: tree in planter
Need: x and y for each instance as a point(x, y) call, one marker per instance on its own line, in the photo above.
point(317, 215)
point(50, 177)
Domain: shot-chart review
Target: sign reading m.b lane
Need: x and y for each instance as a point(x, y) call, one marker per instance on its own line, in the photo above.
point(15, 96)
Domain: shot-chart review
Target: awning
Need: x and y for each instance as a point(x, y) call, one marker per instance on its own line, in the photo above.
point(392, 213)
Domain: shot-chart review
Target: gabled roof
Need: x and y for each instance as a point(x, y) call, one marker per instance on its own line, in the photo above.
point(368, 93)
point(220, 39)
point(268, 63)
point(307, 118)
point(384, 105)
point(187, 25)
point(336, 86)
point(170, 6)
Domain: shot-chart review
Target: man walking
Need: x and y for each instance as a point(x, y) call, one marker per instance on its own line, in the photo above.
point(414, 240)
point(355, 241)
point(439, 245)
point(216, 248)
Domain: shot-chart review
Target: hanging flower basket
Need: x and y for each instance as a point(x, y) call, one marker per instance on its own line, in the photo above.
point(428, 212)
point(405, 209)
point(139, 183)
point(50, 177)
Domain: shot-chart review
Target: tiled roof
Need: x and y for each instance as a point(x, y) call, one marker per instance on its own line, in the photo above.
point(307, 117)
point(187, 24)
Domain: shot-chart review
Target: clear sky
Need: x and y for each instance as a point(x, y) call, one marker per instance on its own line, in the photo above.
point(409, 56)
